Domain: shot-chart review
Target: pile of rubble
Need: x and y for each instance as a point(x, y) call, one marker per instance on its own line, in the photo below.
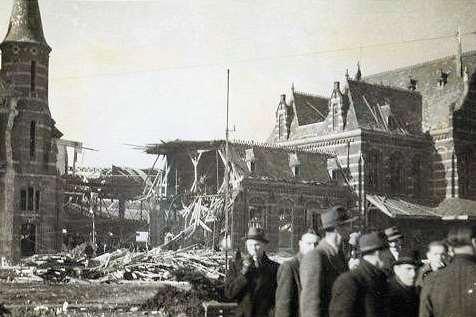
point(153, 265)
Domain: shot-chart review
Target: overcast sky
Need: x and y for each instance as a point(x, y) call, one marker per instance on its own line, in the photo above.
point(137, 72)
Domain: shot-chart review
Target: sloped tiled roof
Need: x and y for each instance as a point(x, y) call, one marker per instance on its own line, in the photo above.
point(436, 100)
point(371, 103)
point(310, 108)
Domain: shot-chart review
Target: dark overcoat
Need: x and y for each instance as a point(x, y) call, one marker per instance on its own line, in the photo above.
point(255, 291)
point(388, 259)
point(318, 271)
point(360, 293)
point(289, 288)
point(451, 291)
point(403, 301)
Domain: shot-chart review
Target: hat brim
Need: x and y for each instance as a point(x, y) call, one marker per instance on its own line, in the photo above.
point(395, 237)
point(257, 238)
point(340, 223)
point(373, 248)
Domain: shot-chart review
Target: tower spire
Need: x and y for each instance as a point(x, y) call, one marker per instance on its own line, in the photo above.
point(25, 23)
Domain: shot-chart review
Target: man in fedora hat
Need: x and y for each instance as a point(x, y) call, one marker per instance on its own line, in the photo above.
point(289, 282)
point(321, 266)
point(362, 291)
point(452, 291)
point(403, 297)
point(394, 240)
point(252, 279)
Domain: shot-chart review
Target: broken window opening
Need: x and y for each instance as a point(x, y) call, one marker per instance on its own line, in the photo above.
point(32, 140)
point(30, 198)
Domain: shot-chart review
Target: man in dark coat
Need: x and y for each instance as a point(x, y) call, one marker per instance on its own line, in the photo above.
point(289, 282)
point(436, 256)
point(320, 268)
point(362, 291)
point(403, 297)
point(452, 291)
point(391, 254)
point(252, 280)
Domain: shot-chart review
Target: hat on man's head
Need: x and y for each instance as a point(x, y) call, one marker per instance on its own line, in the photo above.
point(407, 260)
point(335, 216)
point(371, 242)
point(256, 234)
point(393, 234)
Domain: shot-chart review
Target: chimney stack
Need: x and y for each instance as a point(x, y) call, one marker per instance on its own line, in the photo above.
point(459, 54)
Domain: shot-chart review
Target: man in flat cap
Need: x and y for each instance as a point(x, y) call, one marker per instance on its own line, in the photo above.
point(289, 282)
point(452, 291)
point(403, 296)
point(321, 267)
point(362, 291)
point(394, 239)
point(252, 279)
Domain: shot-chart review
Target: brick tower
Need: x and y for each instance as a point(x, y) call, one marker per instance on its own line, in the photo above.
point(30, 189)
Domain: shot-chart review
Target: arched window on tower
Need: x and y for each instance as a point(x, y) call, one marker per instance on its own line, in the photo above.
point(32, 140)
point(397, 174)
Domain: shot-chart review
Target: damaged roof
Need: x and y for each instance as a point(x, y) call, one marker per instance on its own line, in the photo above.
point(448, 209)
point(399, 208)
point(436, 99)
point(271, 161)
point(374, 104)
point(309, 108)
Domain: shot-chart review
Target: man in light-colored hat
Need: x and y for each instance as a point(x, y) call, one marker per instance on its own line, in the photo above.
point(289, 282)
point(362, 291)
point(394, 239)
point(252, 279)
point(321, 266)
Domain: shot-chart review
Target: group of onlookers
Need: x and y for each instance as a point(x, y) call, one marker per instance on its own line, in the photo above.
point(373, 279)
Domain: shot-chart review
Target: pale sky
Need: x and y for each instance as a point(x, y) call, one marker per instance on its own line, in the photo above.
point(138, 72)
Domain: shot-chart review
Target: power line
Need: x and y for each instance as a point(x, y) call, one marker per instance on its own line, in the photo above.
point(258, 59)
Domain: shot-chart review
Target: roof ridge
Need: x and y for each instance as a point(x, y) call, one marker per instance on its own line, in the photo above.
point(465, 54)
point(309, 94)
point(381, 85)
point(288, 148)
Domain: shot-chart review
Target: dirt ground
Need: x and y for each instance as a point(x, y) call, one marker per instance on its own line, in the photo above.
point(84, 298)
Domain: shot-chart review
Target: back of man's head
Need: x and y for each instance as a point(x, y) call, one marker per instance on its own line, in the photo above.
point(462, 238)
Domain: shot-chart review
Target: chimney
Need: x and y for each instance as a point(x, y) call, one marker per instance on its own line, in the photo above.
point(283, 99)
point(337, 86)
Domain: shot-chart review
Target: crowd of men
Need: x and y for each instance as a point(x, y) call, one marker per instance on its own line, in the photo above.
point(373, 280)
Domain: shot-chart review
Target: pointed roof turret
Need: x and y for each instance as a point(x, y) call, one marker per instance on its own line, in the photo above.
point(25, 23)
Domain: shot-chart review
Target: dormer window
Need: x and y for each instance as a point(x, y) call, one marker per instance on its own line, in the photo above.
point(295, 164)
point(251, 166)
point(250, 160)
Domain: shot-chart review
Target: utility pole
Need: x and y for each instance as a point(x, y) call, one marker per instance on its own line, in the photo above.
point(227, 178)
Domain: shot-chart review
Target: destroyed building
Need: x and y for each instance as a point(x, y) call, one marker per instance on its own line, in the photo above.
point(405, 139)
point(280, 189)
point(30, 190)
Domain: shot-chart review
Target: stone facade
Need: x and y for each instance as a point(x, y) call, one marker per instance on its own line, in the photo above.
point(406, 133)
point(31, 196)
